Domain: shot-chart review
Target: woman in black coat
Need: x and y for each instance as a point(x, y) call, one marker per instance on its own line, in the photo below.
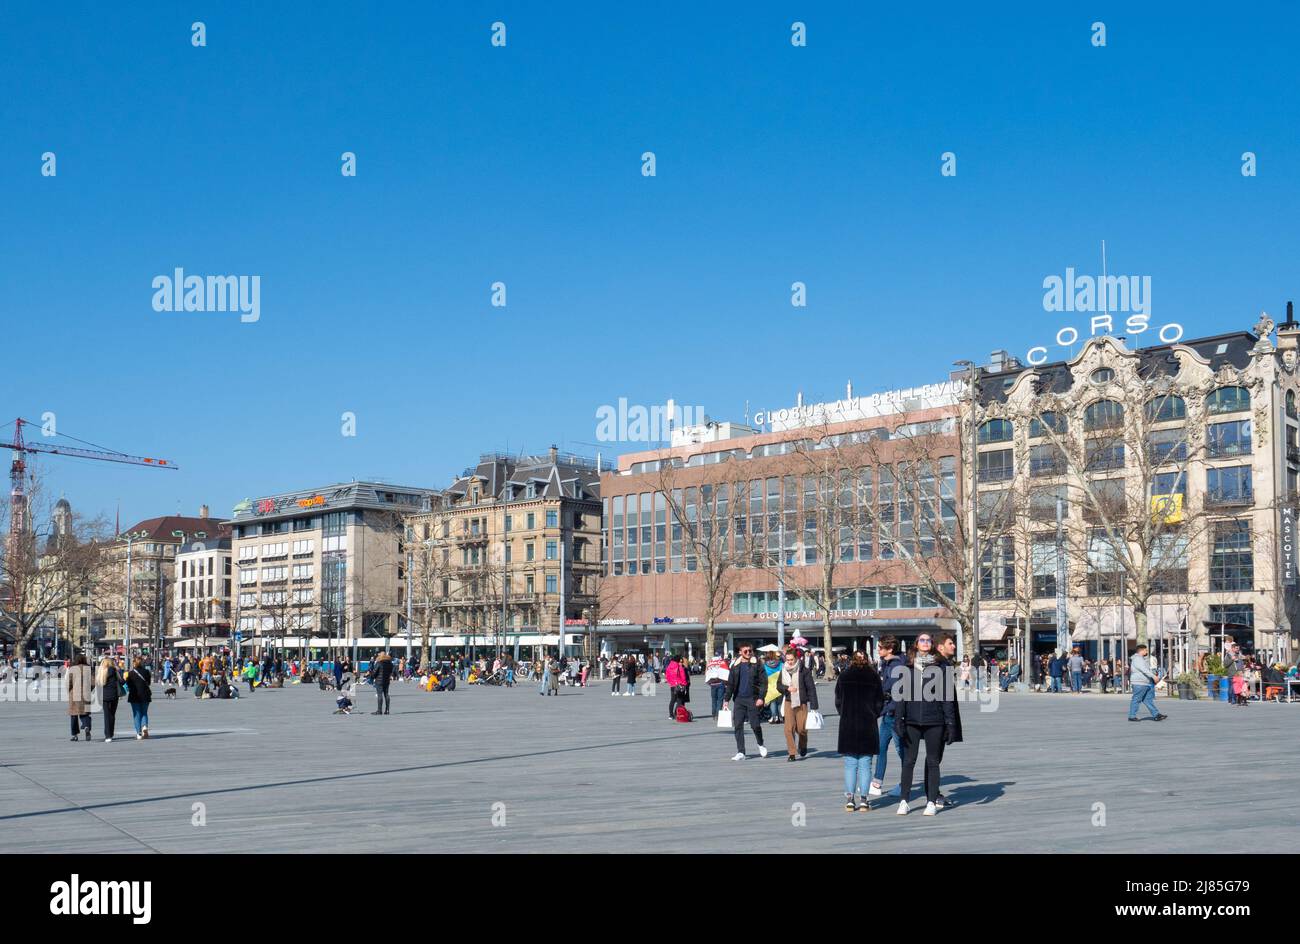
point(859, 699)
point(138, 696)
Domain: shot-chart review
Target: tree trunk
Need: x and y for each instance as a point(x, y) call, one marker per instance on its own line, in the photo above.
point(710, 638)
point(1140, 618)
point(826, 644)
point(969, 642)
point(424, 647)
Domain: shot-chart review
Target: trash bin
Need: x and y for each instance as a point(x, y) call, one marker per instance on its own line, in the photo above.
point(1211, 687)
point(1225, 689)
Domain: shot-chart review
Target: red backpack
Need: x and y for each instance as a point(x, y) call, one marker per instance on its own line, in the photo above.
point(683, 715)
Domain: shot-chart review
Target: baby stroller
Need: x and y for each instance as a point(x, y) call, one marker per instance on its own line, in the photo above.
point(496, 678)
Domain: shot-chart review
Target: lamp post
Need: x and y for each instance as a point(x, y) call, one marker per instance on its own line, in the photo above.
point(130, 536)
point(972, 383)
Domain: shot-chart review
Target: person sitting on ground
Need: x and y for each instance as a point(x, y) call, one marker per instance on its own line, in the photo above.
point(343, 704)
point(1012, 676)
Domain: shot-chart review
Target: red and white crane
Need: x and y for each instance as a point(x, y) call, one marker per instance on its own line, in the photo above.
point(18, 523)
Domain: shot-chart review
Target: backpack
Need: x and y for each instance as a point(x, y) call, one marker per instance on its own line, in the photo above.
point(684, 715)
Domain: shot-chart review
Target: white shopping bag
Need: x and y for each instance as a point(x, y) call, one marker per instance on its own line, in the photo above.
point(815, 720)
point(724, 717)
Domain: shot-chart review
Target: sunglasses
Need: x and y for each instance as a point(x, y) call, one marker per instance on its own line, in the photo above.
point(920, 639)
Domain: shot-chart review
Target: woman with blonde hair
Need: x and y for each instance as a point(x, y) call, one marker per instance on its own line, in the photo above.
point(109, 680)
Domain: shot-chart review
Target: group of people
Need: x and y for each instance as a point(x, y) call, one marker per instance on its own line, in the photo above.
point(904, 701)
point(110, 681)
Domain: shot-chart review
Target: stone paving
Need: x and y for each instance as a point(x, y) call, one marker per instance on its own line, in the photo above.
point(278, 772)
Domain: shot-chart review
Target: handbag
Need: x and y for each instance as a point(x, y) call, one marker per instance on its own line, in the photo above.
point(724, 717)
point(815, 721)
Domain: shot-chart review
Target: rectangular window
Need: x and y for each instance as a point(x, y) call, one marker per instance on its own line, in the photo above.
point(531, 520)
point(1169, 555)
point(1102, 454)
point(303, 571)
point(1167, 445)
point(1105, 563)
point(529, 586)
point(1044, 565)
point(551, 584)
point(247, 575)
point(1230, 485)
point(551, 553)
point(1228, 440)
point(1042, 503)
point(1104, 500)
point(530, 551)
point(998, 571)
point(509, 552)
point(552, 519)
point(303, 547)
point(1046, 460)
point(1232, 565)
point(996, 466)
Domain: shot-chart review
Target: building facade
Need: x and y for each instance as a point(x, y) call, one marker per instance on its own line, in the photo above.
point(321, 568)
point(829, 518)
point(145, 556)
point(203, 586)
point(509, 554)
point(1175, 469)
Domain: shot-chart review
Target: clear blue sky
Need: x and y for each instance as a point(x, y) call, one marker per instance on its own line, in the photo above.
point(522, 164)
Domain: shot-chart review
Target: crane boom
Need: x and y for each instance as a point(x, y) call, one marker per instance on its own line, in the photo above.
point(97, 454)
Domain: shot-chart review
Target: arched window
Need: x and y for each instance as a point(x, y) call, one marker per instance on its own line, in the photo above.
point(995, 431)
point(1039, 425)
point(1166, 409)
point(1228, 400)
point(1290, 404)
point(1104, 414)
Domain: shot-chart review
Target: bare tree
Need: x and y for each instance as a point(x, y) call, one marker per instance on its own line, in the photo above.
point(44, 576)
point(701, 506)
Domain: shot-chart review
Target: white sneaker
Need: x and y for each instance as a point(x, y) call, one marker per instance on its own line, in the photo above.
point(108, 740)
point(930, 809)
point(875, 791)
point(138, 737)
point(896, 791)
point(739, 756)
point(762, 751)
point(902, 808)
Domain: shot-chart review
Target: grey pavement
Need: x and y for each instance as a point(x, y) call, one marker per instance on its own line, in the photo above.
point(278, 772)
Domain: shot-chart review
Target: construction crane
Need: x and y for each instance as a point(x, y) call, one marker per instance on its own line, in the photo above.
point(18, 499)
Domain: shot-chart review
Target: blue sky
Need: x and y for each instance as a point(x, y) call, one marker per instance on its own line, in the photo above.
point(522, 164)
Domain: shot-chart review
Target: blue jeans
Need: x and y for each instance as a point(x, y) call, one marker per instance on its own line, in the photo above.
point(887, 734)
point(140, 715)
point(1056, 683)
point(857, 774)
point(717, 695)
point(1076, 681)
point(1142, 695)
point(979, 680)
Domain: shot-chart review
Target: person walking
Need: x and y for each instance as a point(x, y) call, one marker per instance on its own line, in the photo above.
point(79, 684)
point(616, 672)
point(138, 696)
point(1076, 672)
point(1056, 669)
point(553, 686)
point(859, 700)
point(925, 713)
point(544, 682)
point(892, 668)
point(796, 682)
point(675, 676)
point(716, 677)
point(1142, 678)
point(630, 671)
point(746, 686)
point(381, 677)
point(109, 679)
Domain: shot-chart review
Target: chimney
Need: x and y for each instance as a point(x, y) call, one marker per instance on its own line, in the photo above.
point(1288, 332)
point(203, 511)
point(554, 454)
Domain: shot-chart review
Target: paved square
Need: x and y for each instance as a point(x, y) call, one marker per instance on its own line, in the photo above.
point(277, 772)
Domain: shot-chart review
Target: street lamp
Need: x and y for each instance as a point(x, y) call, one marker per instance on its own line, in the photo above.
point(130, 536)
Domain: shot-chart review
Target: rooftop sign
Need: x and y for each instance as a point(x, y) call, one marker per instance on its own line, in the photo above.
point(924, 397)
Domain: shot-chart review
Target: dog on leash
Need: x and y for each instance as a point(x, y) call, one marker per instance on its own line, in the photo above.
point(170, 691)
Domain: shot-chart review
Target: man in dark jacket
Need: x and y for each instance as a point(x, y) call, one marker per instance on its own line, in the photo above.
point(746, 686)
point(381, 675)
point(892, 667)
